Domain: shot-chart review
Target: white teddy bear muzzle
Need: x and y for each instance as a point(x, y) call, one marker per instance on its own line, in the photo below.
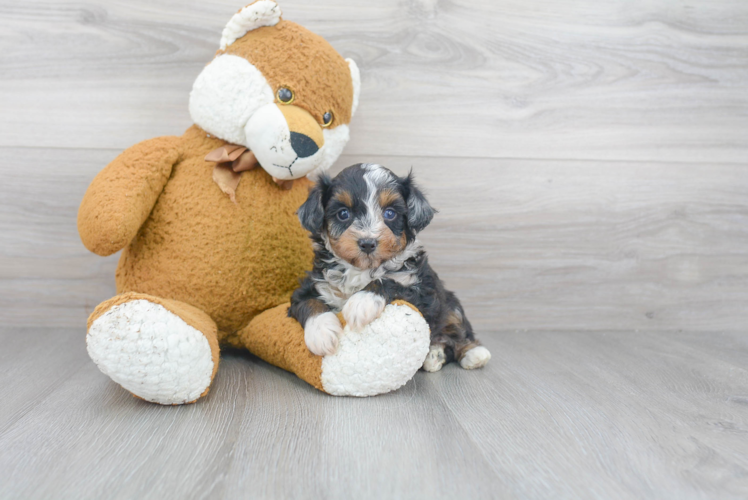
point(233, 101)
point(283, 153)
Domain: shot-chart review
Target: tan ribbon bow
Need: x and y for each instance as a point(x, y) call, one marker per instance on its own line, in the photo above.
point(231, 161)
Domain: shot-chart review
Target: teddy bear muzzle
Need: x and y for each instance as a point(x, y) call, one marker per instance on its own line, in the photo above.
point(287, 141)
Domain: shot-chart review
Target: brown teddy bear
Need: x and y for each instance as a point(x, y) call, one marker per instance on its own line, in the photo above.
point(211, 245)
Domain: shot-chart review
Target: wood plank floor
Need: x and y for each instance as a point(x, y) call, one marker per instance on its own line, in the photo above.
point(590, 163)
point(554, 415)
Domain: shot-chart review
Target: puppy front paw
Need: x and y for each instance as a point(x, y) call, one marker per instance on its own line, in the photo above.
point(321, 333)
point(363, 308)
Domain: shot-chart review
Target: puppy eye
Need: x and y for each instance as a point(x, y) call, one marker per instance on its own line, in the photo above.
point(327, 119)
point(286, 96)
point(389, 214)
point(344, 214)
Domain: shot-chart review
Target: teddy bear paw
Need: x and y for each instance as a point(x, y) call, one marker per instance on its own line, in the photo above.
point(381, 357)
point(151, 352)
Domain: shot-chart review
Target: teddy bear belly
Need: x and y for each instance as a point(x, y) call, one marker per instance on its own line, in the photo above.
point(233, 261)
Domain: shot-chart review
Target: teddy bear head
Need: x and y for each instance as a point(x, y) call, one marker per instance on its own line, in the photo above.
point(279, 90)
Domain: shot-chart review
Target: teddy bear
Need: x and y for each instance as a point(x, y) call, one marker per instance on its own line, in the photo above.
point(211, 244)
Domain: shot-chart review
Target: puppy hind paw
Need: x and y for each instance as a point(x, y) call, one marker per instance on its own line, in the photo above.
point(363, 308)
point(434, 359)
point(476, 357)
point(321, 334)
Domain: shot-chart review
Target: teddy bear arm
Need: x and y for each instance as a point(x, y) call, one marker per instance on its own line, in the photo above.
point(122, 195)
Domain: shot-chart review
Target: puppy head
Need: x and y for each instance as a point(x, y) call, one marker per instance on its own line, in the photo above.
point(366, 215)
point(278, 89)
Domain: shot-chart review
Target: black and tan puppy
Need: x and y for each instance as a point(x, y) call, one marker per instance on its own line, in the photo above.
point(364, 226)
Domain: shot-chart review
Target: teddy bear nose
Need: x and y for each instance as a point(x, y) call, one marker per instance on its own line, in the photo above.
point(303, 145)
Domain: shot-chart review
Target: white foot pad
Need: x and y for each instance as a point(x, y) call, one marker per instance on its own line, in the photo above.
point(381, 357)
point(475, 358)
point(151, 352)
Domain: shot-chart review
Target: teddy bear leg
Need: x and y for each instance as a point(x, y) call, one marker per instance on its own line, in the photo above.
point(379, 358)
point(161, 350)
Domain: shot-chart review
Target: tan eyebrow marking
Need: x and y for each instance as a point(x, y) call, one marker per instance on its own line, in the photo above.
point(388, 197)
point(345, 198)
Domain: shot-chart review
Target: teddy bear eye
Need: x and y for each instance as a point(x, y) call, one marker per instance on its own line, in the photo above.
point(286, 96)
point(327, 119)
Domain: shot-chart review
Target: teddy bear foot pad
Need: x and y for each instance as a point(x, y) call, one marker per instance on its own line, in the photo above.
point(381, 357)
point(151, 352)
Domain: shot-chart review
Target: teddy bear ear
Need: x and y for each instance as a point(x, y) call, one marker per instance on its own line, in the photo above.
point(356, 79)
point(255, 15)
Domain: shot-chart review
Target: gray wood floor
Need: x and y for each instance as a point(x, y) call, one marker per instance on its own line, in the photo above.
point(590, 163)
point(554, 415)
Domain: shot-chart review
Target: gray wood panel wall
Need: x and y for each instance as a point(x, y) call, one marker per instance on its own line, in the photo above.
point(590, 159)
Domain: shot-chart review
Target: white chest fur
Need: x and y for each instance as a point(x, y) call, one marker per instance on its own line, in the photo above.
point(338, 285)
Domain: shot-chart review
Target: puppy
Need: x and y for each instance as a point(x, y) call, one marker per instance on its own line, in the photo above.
point(364, 225)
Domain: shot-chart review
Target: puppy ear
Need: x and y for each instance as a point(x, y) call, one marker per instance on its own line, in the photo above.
point(420, 212)
point(312, 212)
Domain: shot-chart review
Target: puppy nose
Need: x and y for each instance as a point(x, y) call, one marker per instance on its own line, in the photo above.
point(303, 145)
point(367, 245)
